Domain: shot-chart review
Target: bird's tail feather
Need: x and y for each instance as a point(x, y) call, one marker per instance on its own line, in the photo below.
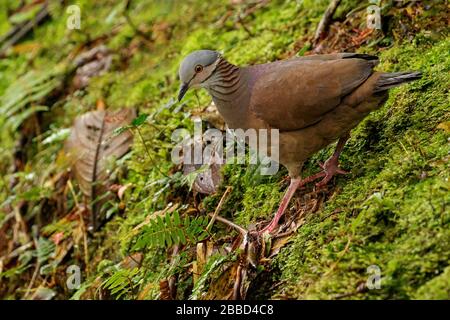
point(395, 79)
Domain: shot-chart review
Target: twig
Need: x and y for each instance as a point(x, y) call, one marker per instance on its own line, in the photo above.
point(18, 33)
point(83, 228)
point(17, 251)
point(241, 22)
point(173, 278)
point(6, 218)
point(33, 278)
point(325, 21)
point(238, 283)
point(282, 234)
point(20, 224)
point(337, 211)
point(75, 198)
point(36, 269)
point(231, 224)
point(219, 206)
point(257, 6)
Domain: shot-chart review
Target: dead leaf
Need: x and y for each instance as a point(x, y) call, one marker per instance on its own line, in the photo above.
point(122, 190)
point(207, 180)
point(143, 294)
point(207, 175)
point(201, 257)
point(43, 293)
point(222, 287)
point(26, 47)
point(119, 189)
point(164, 290)
point(279, 243)
point(90, 64)
point(444, 126)
point(132, 261)
point(91, 144)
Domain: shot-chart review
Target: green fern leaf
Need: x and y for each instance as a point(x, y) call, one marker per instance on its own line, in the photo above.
point(182, 236)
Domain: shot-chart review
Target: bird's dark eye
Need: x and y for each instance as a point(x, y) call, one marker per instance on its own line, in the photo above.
point(198, 68)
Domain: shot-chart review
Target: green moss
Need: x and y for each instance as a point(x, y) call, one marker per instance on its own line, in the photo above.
point(437, 288)
point(259, 202)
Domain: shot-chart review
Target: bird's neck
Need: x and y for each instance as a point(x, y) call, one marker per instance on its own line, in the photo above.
point(226, 84)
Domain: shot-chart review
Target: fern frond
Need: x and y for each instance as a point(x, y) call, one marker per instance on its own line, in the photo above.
point(24, 96)
point(122, 281)
point(171, 229)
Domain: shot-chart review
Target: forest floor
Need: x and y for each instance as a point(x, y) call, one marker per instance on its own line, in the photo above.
point(380, 232)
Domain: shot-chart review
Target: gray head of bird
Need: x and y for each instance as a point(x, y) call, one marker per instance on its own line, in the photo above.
point(197, 70)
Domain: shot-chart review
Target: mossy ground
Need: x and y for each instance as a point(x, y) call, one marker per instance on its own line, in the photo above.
point(392, 211)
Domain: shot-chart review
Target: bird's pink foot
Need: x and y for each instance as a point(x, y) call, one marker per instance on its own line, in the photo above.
point(294, 185)
point(330, 169)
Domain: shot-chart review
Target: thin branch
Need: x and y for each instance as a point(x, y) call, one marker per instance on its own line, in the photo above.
point(17, 251)
point(16, 34)
point(238, 283)
point(173, 278)
point(83, 226)
point(325, 21)
point(231, 224)
point(241, 22)
point(219, 206)
point(36, 269)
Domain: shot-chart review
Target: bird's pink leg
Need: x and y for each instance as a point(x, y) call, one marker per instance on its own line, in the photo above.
point(331, 166)
point(293, 186)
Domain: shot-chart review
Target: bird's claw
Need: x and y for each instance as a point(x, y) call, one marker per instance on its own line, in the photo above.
point(330, 168)
point(267, 230)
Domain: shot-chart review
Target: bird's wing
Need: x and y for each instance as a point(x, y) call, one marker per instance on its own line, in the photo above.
point(293, 94)
point(342, 55)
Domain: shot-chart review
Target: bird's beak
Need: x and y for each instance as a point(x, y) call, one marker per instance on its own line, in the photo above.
point(184, 87)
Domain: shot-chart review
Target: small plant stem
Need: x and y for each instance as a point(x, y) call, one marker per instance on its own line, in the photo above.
point(148, 151)
point(219, 206)
point(230, 224)
point(83, 228)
